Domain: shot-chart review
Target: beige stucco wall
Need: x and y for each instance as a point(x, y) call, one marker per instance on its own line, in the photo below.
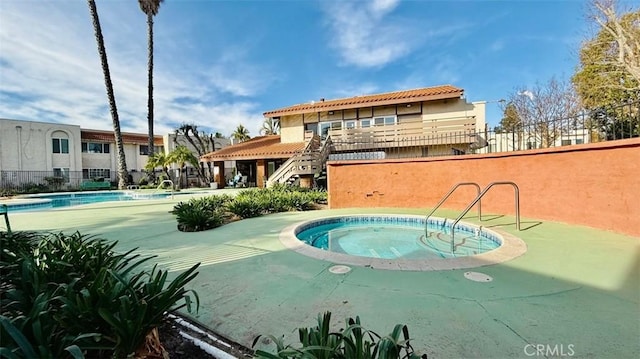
point(454, 109)
point(27, 146)
point(292, 127)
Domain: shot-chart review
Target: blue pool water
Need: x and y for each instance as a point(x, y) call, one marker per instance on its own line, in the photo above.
point(391, 237)
point(47, 201)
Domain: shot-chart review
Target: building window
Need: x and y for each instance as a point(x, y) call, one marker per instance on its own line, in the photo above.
point(91, 173)
point(60, 145)
point(144, 149)
point(579, 141)
point(62, 173)
point(566, 143)
point(366, 122)
point(350, 124)
point(92, 147)
point(384, 121)
point(326, 126)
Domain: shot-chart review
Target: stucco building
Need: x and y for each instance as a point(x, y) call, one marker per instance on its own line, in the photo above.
point(417, 123)
point(32, 151)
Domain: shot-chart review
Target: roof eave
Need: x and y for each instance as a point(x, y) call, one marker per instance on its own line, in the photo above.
point(320, 107)
point(246, 158)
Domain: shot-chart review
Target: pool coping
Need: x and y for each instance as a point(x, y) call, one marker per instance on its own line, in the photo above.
point(512, 247)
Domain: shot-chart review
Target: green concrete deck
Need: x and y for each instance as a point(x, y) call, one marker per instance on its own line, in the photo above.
point(576, 290)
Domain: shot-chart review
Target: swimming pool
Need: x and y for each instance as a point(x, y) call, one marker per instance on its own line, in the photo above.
point(399, 242)
point(48, 201)
point(395, 237)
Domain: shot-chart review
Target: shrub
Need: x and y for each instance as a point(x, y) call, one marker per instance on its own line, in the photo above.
point(198, 214)
point(247, 206)
point(70, 295)
point(351, 342)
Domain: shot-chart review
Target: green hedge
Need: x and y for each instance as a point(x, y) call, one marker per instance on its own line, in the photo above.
point(209, 212)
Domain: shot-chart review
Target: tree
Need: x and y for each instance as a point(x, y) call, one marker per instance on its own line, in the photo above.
point(270, 126)
point(511, 120)
point(241, 133)
point(609, 70)
point(181, 155)
point(541, 110)
point(158, 159)
point(511, 126)
point(203, 143)
point(121, 161)
point(625, 32)
point(150, 8)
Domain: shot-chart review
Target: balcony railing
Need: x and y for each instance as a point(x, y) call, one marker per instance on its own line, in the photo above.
point(430, 132)
point(459, 136)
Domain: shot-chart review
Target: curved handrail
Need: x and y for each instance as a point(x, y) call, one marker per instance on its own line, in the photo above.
point(477, 199)
point(477, 186)
point(162, 184)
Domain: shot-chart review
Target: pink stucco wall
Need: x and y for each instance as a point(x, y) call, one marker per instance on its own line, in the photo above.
point(596, 185)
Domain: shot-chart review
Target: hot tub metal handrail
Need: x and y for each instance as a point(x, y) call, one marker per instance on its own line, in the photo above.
point(4, 210)
point(477, 200)
point(477, 186)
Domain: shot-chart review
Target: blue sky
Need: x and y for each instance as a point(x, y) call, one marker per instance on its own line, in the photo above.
point(219, 64)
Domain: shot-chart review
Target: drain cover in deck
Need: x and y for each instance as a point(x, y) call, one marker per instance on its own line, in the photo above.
point(477, 277)
point(339, 269)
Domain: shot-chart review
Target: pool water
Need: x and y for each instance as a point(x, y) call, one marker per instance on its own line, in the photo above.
point(394, 238)
point(48, 201)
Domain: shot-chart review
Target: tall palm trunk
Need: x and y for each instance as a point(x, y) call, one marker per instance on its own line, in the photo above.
point(150, 89)
point(121, 161)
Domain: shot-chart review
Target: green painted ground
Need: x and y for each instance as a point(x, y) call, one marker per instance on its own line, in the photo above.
point(576, 291)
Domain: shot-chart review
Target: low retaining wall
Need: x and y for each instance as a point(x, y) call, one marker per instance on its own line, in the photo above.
point(596, 185)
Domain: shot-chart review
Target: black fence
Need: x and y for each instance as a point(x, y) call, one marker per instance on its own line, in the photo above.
point(605, 124)
point(42, 181)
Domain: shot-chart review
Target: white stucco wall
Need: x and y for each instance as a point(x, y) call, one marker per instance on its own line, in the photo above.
point(27, 146)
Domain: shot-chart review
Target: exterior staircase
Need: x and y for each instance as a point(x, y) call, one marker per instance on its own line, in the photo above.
point(309, 162)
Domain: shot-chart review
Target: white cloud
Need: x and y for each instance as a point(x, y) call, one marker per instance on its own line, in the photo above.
point(50, 72)
point(361, 34)
point(383, 6)
point(526, 93)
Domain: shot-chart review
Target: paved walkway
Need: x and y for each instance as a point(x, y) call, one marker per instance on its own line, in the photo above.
point(575, 292)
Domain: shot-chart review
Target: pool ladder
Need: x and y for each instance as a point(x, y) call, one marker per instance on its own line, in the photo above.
point(477, 200)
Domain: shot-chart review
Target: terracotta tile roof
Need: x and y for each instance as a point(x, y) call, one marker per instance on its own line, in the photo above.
point(256, 148)
point(130, 138)
point(389, 98)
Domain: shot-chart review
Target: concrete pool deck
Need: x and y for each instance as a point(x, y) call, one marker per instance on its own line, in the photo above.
point(575, 292)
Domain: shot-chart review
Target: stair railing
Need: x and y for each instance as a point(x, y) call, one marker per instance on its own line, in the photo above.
point(305, 161)
point(477, 199)
point(477, 186)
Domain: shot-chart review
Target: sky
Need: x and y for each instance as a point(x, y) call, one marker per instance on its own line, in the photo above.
point(219, 64)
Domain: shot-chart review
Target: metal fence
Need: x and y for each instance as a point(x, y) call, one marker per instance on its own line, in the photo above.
point(605, 124)
point(41, 181)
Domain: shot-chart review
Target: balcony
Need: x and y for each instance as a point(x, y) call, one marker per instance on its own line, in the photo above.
point(449, 131)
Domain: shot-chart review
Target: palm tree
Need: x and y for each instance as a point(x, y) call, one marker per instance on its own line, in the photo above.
point(241, 133)
point(270, 126)
point(122, 164)
point(158, 159)
point(150, 8)
point(182, 155)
